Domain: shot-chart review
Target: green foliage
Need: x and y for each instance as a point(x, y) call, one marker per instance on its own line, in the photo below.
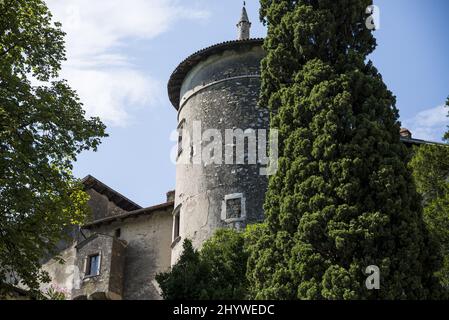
point(436, 216)
point(42, 130)
point(430, 166)
point(225, 259)
point(217, 272)
point(55, 294)
point(186, 279)
point(343, 198)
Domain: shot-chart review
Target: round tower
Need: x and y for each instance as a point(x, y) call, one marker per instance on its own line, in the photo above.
point(215, 92)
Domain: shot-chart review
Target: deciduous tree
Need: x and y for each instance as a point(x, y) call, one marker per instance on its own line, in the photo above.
point(42, 129)
point(216, 272)
point(430, 165)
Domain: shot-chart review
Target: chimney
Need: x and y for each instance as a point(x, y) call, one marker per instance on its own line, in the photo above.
point(171, 196)
point(405, 133)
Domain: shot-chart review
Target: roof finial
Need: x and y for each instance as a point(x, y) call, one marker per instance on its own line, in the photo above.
point(244, 25)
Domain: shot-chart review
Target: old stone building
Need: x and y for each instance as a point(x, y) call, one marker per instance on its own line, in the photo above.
point(117, 254)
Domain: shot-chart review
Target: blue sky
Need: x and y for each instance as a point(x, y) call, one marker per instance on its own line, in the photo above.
point(121, 54)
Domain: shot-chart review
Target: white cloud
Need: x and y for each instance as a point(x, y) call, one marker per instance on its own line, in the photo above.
point(113, 93)
point(428, 124)
point(98, 66)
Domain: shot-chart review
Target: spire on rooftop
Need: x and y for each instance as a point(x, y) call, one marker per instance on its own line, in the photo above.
point(244, 26)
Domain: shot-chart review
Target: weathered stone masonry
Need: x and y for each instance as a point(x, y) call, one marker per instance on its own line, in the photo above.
point(133, 245)
point(218, 87)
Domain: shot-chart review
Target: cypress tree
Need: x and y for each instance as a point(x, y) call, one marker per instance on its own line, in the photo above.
point(343, 197)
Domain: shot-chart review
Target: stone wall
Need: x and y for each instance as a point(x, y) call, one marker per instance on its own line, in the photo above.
point(148, 239)
point(62, 275)
point(101, 206)
point(108, 284)
point(222, 93)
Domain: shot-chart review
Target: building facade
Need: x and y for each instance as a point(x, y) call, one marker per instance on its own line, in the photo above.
point(119, 252)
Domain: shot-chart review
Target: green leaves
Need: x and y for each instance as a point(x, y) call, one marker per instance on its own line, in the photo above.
point(430, 165)
point(343, 197)
point(186, 280)
point(29, 41)
point(42, 130)
point(217, 272)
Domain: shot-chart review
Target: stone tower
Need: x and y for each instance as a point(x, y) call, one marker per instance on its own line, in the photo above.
point(217, 88)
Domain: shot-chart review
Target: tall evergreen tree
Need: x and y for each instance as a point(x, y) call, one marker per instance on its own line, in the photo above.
point(343, 198)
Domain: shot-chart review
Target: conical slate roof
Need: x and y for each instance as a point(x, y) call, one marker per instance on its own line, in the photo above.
point(244, 17)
